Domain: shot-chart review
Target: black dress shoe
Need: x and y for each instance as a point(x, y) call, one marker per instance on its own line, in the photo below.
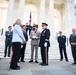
point(4, 56)
point(40, 63)
point(36, 61)
point(61, 59)
point(30, 61)
point(8, 55)
point(22, 61)
point(18, 66)
point(67, 61)
point(15, 68)
point(43, 64)
point(74, 63)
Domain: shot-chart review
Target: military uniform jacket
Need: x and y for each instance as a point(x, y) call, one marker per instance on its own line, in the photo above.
point(8, 35)
point(45, 36)
point(62, 40)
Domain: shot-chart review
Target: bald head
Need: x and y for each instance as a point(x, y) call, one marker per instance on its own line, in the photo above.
point(73, 30)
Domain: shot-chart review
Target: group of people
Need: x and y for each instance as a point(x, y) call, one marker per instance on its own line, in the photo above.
point(18, 39)
point(62, 45)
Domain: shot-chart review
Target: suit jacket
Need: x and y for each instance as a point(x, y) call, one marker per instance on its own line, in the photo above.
point(72, 38)
point(8, 35)
point(25, 35)
point(35, 41)
point(45, 36)
point(61, 40)
point(28, 27)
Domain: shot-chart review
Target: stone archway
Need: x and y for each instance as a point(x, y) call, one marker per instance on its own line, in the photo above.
point(34, 13)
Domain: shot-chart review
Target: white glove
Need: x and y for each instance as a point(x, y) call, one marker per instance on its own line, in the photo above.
point(45, 44)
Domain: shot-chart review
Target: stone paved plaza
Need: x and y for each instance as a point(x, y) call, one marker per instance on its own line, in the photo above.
point(55, 67)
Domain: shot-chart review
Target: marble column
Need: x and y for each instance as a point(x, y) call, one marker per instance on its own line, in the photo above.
point(1, 16)
point(21, 9)
point(10, 14)
point(69, 16)
point(51, 18)
point(42, 12)
point(16, 8)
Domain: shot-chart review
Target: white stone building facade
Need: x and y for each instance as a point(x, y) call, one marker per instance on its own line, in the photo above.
point(59, 14)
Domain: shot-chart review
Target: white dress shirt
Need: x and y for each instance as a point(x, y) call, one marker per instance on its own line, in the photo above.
point(17, 34)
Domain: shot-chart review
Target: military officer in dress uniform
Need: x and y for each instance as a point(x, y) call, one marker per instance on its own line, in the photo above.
point(44, 44)
point(62, 46)
point(8, 39)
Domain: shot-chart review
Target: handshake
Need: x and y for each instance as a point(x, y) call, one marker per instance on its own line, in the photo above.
point(73, 43)
point(23, 42)
point(34, 37)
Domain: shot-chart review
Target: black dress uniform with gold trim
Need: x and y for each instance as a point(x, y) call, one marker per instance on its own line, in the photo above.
point(45, 35)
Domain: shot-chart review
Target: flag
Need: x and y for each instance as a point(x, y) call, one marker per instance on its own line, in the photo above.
point(30, 18)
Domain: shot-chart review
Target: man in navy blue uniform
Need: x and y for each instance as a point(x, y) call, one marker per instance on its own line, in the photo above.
point(8, 39)
point(44, 44)
point(62, 46)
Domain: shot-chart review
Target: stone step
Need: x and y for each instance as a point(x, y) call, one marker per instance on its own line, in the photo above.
point(53, 50)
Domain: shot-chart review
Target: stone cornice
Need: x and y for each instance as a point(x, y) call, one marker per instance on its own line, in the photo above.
point(71, 1)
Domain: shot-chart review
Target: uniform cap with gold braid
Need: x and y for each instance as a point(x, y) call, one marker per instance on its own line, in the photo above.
point(44, 24)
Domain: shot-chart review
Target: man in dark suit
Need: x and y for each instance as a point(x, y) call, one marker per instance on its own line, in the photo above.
point(8, 40)
point(22, 53)
point(62, 46)
point(44, 44)
point(33, 27)
point(28, 28)
point(1, 31)
point(72, 40)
